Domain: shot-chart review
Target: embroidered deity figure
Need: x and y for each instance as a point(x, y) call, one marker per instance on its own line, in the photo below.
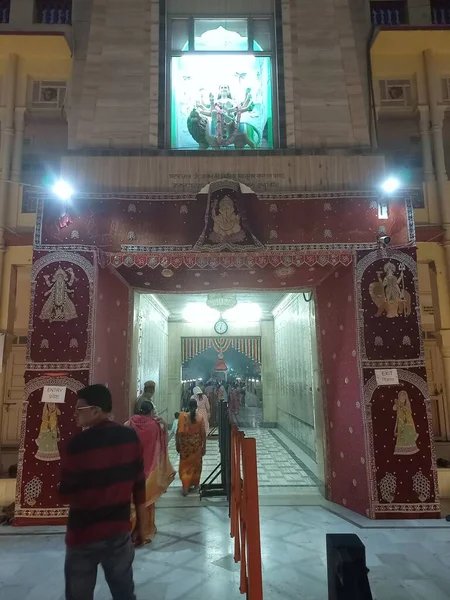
point(390, 283)
point(48, 438)
point(405, 430)
point(389, 293)
point(226, 221)
point(59, 306)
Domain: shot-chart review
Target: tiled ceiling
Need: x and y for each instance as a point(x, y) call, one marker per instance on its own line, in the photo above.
point(176, 303)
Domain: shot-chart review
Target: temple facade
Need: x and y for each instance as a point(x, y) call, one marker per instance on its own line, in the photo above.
point(237, 150)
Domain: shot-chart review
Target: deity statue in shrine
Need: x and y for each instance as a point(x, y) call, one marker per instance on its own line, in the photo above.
point(48, 438)
point(217, 121)
point(59, 306)
point(405, 430)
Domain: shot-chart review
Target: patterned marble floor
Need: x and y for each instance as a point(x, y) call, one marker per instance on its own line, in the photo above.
point(282, 466)
point(190, 558)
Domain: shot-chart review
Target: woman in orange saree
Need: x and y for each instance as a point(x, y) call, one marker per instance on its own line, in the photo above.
point(191, 446)
point(159, 473)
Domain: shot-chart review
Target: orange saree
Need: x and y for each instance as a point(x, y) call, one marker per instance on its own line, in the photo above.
point(191, 444)
point(159, 473)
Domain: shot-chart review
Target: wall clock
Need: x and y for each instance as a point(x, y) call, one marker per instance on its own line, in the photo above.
point(221, 327)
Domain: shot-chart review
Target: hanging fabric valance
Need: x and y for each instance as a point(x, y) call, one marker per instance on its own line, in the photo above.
point(194, 346)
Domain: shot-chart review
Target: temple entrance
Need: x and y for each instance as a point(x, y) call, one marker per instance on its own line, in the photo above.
point(257, 350)
point(344, 335)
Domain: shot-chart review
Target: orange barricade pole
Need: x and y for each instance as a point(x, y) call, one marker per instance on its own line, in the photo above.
point(244, 514)
point(251, 502)
point(243, 521)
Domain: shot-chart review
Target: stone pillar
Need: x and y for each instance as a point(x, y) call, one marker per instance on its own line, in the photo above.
point(437, 121)
point(437, 117)
point(437, 113)
point(19, 129)
point(443, 339)
point(433, 207)
point(16, 165)
point(6, 142)
point(427, 154)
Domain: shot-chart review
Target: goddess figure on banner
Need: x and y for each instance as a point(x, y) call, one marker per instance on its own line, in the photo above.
point(48, 438)
point(217, 123)
point(405, 430)
point(59, 306)
point(389, 293)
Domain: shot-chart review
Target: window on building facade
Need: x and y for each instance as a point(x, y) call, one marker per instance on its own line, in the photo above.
point(221, 94)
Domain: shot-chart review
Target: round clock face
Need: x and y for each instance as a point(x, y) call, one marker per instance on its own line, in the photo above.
point(221, 327)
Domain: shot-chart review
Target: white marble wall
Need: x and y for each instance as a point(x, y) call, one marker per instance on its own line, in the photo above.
point(296, 368)
point(325, 73)
point(268, 372)
point(150, 349)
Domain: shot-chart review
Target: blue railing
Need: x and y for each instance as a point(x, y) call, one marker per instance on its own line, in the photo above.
point(440, 13)
point(4, 11)
point(388, 14)
point(53, 13)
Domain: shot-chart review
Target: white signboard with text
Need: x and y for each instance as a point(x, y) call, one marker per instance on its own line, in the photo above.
point(54, 393)
point(386, 376)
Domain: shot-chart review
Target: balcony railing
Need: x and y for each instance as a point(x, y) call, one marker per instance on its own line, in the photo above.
point(53, 13)
point(440, 12)
point(388, 14)
point(4, 10)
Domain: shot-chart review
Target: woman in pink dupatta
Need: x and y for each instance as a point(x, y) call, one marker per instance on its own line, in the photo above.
point(159, 473)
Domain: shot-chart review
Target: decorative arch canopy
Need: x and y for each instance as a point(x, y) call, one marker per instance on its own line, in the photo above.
point(193, 346)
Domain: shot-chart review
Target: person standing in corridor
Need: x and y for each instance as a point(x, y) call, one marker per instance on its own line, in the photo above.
point(203, 406)
point(147, 395)
point(101, 471)
point(191, 446)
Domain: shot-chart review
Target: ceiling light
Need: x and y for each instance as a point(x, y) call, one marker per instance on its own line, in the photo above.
point(245, 312)
point(63, 190)
point(221, 302)
point(198, 312)
point(390, 185)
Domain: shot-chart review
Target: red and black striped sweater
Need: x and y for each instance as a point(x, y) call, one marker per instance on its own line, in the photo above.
point(101, 471)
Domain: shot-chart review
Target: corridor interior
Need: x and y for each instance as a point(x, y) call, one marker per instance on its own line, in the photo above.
point(267, 350)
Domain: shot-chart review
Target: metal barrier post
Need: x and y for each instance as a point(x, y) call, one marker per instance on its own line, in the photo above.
point(250, 471)
point(223, 470)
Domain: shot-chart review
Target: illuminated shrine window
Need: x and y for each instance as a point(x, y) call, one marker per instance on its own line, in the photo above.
point(221, 93)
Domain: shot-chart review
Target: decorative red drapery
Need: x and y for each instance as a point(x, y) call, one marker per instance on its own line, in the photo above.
point(193, 346)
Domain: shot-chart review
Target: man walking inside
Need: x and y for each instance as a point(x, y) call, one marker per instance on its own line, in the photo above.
point(147, 395)
point(101, 471)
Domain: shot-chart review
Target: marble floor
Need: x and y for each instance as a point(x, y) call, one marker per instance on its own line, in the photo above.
point(191, 558)
point(282, 466)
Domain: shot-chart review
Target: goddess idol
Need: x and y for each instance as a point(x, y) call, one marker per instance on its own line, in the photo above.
point(217, 122)
point(405, 430)
point(48, 438)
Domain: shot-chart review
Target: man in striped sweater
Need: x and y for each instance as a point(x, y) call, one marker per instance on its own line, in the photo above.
point(101, 471)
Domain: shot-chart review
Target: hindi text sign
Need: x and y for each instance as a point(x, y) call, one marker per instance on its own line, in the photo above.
point(54, 393)
point(386, 376)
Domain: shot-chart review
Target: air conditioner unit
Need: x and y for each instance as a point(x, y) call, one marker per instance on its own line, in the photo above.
point(48, 95)
point(396, 93)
